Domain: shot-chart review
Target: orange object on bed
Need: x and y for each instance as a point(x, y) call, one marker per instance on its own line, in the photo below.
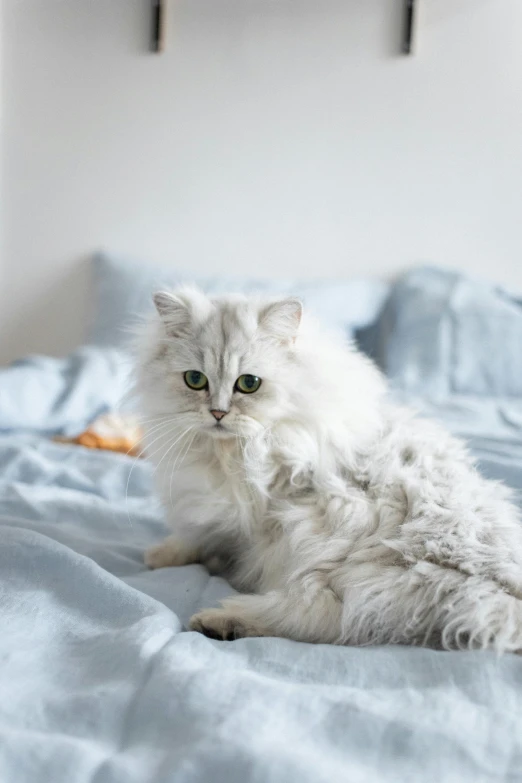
point(110, 432)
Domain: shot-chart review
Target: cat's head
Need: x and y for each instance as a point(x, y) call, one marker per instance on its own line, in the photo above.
point(225, 366)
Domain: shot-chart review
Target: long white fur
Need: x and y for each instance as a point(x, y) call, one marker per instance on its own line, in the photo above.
point(342, 518)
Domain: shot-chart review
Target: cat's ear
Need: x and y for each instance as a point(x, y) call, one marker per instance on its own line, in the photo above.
point(173, 311)
point(281, 319)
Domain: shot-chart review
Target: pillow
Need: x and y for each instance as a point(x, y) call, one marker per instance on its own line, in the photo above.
point(123, 294)
point(48, 395)
point(443, 334)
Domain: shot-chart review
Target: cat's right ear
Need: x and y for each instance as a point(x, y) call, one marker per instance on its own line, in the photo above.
point(174, 313)
point(281, 318)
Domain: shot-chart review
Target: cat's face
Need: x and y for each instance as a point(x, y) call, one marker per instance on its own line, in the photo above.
point(224, 367)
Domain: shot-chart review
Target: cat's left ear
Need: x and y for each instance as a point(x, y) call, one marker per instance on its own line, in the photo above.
point(173, 311)
point(181, 309)
point(281, 319)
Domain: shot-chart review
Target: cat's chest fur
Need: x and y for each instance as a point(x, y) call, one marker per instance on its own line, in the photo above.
point(280, 516)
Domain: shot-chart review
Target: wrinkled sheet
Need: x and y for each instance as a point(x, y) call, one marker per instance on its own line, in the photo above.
point(99, 683)
point(63, 395)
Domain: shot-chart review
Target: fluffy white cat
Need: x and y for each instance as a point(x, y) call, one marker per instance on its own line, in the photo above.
point(340, 517)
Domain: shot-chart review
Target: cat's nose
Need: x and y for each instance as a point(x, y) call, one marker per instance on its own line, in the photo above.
point(218, 415)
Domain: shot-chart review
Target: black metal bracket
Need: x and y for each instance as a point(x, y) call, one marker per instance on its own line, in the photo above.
point(409, 26)
point(157, 43)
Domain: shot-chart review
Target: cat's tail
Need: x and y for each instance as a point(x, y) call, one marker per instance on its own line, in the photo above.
point(430, 604)
point(481, 614)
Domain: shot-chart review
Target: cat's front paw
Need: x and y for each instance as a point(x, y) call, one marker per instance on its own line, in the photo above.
point(221, 624)
point(169, 553)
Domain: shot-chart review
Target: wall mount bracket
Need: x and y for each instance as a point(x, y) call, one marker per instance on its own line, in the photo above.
point(410, 10)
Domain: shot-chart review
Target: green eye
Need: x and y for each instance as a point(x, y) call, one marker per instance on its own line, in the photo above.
point(248, 384)
point(195, 380)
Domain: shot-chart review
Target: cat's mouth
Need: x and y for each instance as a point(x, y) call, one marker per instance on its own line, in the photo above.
point(238, 426)
point(220, 430)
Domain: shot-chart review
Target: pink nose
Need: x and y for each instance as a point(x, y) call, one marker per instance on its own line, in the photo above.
point(218, 415)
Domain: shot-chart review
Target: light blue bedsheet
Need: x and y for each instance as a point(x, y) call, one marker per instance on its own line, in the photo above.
point(99, 683)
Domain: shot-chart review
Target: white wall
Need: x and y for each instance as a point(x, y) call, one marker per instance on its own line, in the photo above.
point(276, 136)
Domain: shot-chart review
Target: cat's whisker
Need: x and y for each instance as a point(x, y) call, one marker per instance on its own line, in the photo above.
point(164, 431)
point(171, 446)
point(162, 415)
point(152, 429)
point(174, 420)
point(172, 462)
point(162, 427)
point(182, 459)
point(175, 467)
point(135, 461)
point(149, 419)
point(153, 423)
point(156, 427)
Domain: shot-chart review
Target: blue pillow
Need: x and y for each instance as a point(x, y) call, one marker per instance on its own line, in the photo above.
point(123, 292)
point(444, 334)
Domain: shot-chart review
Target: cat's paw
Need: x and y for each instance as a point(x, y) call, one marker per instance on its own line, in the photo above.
point(221, 624)
point(169, 553)
point(216, 565)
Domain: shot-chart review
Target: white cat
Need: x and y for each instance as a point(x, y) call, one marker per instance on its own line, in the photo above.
point(342, 518)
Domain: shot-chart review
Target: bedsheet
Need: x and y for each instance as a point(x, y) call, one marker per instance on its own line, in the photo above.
point(99, 682)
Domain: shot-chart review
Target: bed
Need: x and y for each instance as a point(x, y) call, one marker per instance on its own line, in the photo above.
point(99, 680)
